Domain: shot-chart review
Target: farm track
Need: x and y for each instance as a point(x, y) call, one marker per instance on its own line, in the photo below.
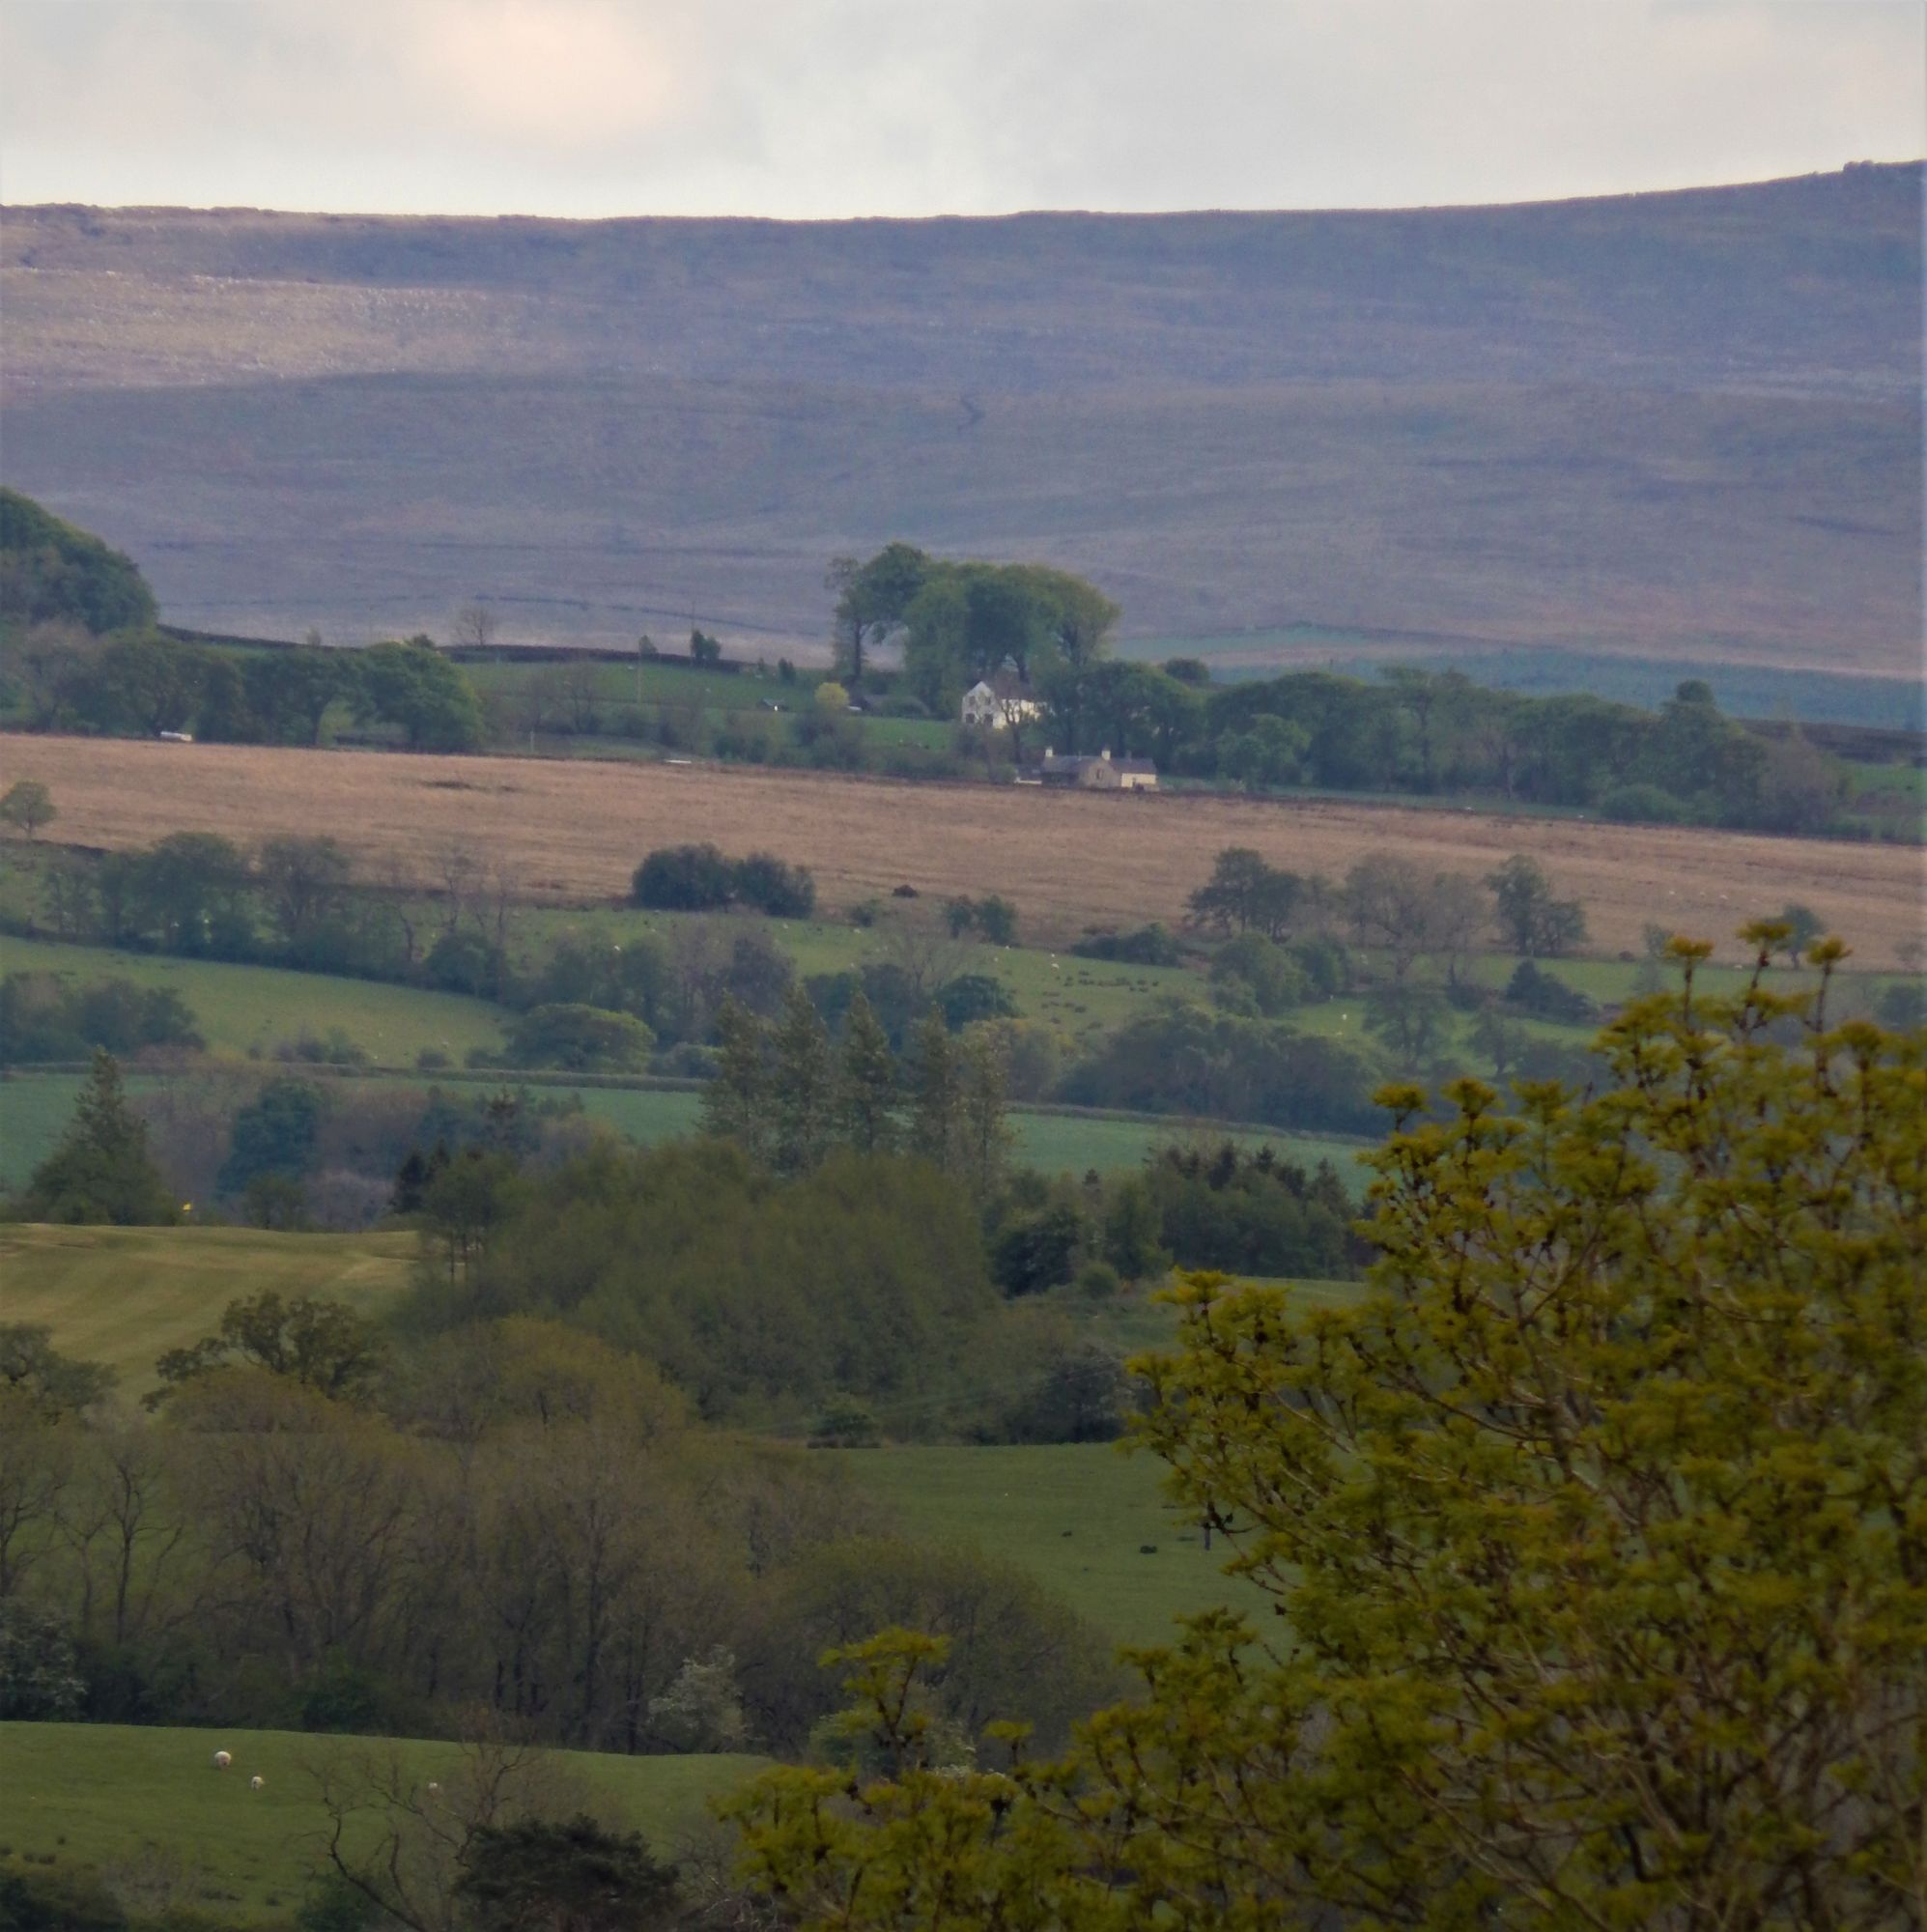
point(573, 831)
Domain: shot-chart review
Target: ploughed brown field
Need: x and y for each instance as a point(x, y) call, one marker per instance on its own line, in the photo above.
point(574, 831)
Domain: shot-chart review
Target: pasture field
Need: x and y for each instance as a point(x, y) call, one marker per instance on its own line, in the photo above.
point(244, 1010)
point(574, 829)
point(125, 1295)
point(1089, 1520)
point(146, 1802)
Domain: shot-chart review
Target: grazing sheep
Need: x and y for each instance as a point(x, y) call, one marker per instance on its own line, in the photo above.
point(222, 1759)
point(255, 1783)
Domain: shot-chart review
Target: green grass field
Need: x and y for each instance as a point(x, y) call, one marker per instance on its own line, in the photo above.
point(120, 1796)
point(124, 1295)
point(254, 1008)
point(1086, 1519)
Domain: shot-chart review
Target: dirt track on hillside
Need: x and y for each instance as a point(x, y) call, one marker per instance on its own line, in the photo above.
point(572, 830)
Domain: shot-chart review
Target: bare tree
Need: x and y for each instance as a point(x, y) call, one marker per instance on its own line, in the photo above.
point(459, 871)
point(476, 627)
point(402, 1841)
point(579, 681)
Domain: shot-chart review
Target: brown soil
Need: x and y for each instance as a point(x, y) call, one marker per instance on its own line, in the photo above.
point(576, 830)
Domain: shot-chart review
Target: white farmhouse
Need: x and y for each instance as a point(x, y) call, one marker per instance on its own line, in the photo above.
point(999, 702)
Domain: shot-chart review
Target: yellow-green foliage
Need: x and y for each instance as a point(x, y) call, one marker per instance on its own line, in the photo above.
point(1601, 1525)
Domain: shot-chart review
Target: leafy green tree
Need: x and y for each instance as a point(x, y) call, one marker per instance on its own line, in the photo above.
point(984, 1138)
point(1599, 1525)
point(1804, 927)
point(290, 692)
point(27, 806)
point(147, 683)
point(411, 684)
point(189, 894)
point(37, 1379)
point(274, 1133)
point(51, 572)
point(1536, 924)
point(782, 890)
point(1245, 894)
point(867, 1083)
point(936, 1093)
point(736, 1104)
point(321, 1343)
point(1409, 1019)
point(683, 878)
point(100, 1172)
point(579, 1038)
point(997, 920)
point(1134, 1232)
point(40, 1680)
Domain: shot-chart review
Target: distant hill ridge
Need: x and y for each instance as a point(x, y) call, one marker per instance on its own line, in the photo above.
point(1683, 425)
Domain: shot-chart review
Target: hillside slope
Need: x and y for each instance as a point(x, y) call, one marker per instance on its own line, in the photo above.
point(1680, 424)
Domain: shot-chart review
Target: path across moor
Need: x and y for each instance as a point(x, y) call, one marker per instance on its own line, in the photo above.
point(574, 830)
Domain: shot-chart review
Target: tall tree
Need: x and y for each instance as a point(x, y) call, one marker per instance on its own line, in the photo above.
point(101, 1171)
point(736, 1102)
point(866, 1086)
point(803, 1085)
point(984, 1123)
point(936, 1093)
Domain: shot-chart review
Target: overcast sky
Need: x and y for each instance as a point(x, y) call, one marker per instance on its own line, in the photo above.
point(836, 107)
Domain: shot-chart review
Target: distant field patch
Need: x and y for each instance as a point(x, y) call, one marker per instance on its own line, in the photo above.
point(125, 1295)
point(1087, 1520)
point(242, 1009)
point(80, 1795)
point(574, 830)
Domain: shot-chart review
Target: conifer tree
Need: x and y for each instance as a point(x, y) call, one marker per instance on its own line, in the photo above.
point(736, 1103)
point(936, 1093)
point(983, 1125)
point(802, 1110)
point(867, 1083)
point(102, 1172)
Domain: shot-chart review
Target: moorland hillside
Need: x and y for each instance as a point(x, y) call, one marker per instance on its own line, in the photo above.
point(1683, 425)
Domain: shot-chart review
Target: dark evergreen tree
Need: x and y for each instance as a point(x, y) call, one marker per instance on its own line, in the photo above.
point(101, 1174)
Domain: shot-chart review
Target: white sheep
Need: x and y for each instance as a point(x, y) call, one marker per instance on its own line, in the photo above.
point(222, 1759)
point(255, 1783)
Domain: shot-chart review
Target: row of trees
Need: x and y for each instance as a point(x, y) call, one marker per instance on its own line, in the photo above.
point(143, 682)
point(1393, 905)
point(321, 1528)
point(784, 1093)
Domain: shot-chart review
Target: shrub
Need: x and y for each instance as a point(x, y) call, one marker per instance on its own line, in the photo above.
point(972, 997)
point(1151, 945)
point(1264, 969)
point(782, 890)
point(997, 921)
point(1643, 805)
point(580, 1039)
point(683, 878)
point(1536, 991)
point(1084, 1395)
point(845, 1423)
